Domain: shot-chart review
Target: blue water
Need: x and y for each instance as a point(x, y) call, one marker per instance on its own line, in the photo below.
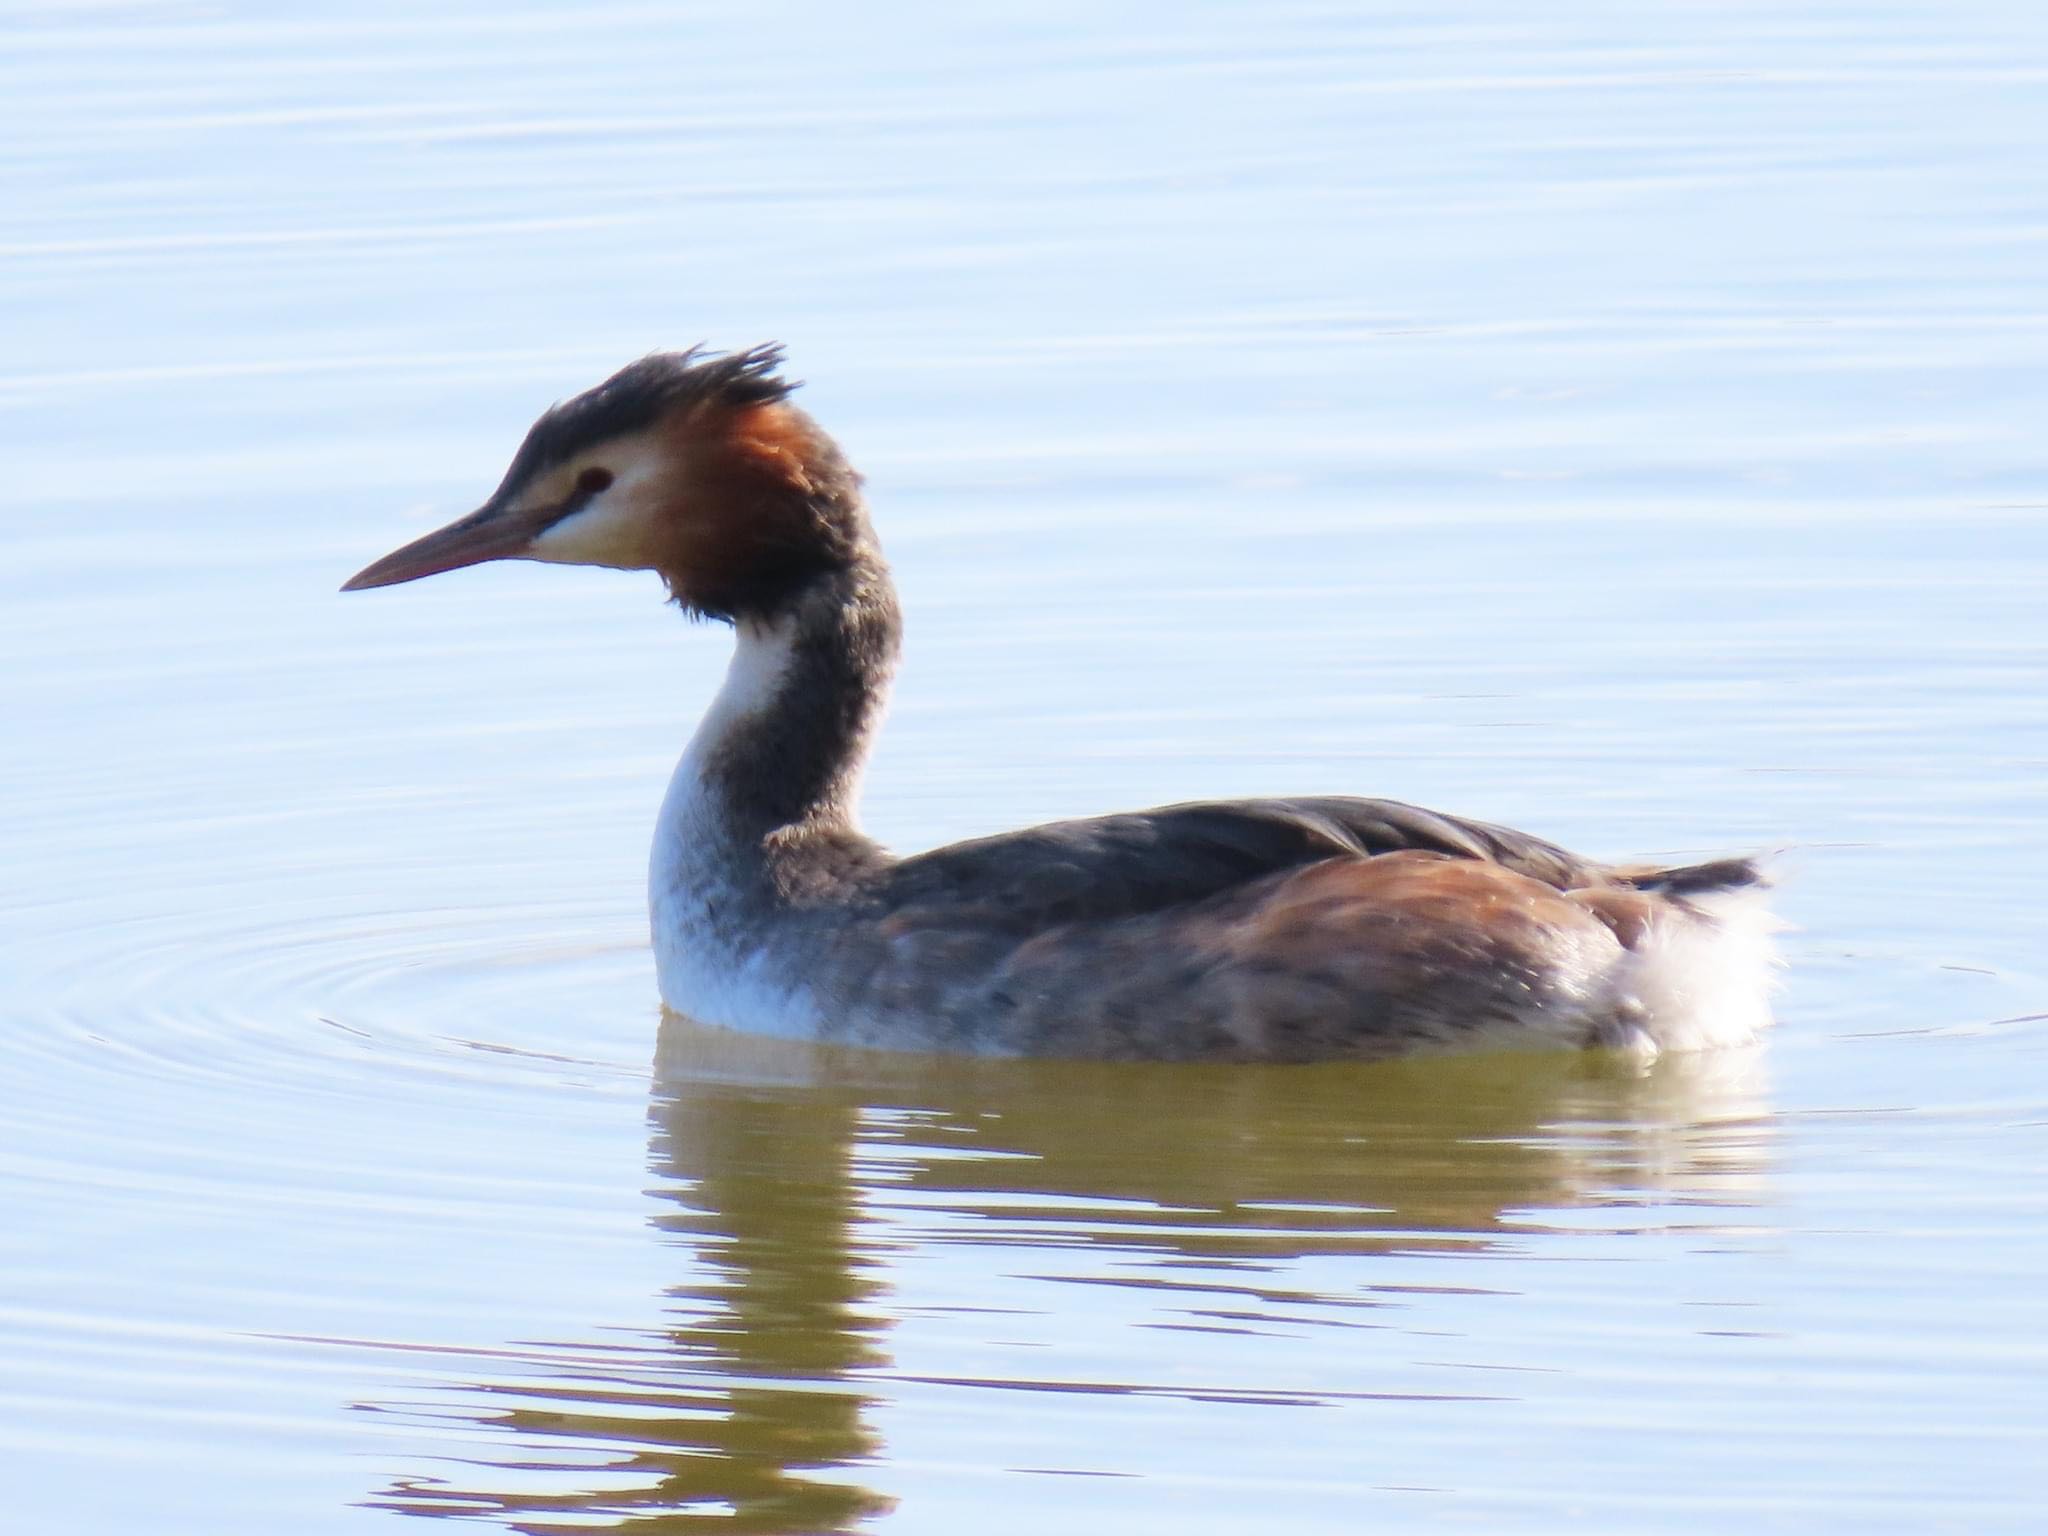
point(1618, 421)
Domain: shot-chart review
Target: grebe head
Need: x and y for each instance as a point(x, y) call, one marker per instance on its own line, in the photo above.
point(692, 465)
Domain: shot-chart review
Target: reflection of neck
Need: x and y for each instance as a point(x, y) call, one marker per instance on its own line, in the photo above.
point(783, 743)
point(768, 1176)
point(764, 1179)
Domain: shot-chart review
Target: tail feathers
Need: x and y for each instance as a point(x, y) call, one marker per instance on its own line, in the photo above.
point(1697, 879)
point(1699, 971)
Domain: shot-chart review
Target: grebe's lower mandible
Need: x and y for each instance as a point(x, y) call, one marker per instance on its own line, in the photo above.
point(1268, 930)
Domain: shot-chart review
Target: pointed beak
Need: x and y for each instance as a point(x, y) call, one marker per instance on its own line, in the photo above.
point(490, 533)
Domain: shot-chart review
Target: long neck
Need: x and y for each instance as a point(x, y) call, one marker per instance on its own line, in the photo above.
point(782, 746)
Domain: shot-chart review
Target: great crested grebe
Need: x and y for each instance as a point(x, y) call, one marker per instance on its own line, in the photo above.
point(1278, 930)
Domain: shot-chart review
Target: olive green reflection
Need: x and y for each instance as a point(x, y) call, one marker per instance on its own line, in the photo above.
point(1453, 1148)
point(779, 1161)
point(723, 1420)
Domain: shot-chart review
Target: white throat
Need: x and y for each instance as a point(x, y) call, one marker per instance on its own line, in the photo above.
point(761, 657)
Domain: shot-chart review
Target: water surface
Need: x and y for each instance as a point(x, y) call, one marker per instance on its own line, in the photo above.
point(1621, 425)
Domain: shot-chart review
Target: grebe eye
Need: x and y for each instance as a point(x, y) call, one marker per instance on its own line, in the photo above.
point(594, 479)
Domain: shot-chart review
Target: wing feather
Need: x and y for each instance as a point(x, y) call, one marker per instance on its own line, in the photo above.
point(1143, 862)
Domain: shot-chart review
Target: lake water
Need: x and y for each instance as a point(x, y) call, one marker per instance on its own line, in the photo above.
point(1620, 421)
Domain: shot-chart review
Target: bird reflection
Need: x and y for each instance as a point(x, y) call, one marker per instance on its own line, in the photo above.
point(725, 1417)
point(790, 1172)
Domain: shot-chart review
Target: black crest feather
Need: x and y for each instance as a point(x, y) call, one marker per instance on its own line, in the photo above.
point(639, 394)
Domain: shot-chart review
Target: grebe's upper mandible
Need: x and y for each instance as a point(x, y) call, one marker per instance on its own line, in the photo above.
point(1271, 930)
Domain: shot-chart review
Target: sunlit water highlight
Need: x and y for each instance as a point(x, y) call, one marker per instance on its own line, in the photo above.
point(1623, 425)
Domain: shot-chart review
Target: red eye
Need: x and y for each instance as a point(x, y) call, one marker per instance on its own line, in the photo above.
point(594, 479)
